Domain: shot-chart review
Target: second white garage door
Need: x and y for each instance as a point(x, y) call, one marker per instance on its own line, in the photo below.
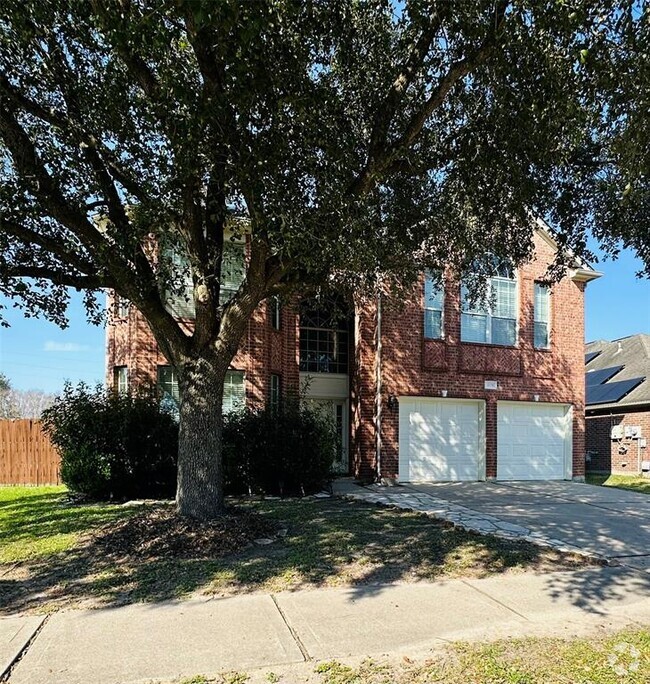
point(441, 440)
point(533, 441)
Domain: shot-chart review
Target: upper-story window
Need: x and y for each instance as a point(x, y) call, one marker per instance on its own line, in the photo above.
point(324, 340)
point(542, 316)
point(121, 306)
point(492, 319)
point(433, 307)
point(233, 389)
point(275, 312)
point(233, 271)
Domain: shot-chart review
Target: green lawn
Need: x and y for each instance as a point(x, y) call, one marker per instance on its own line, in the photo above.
point(631, 482)
point(36, 522)
point(622, 657)
point(56, 555)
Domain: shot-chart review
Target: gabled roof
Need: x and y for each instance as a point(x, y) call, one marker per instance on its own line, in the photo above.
point(579, 270)
point(630, 358)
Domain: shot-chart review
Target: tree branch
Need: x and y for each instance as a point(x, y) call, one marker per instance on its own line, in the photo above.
point(408, 72)
point(457, 71)
point(78, 281)
point(29, 236)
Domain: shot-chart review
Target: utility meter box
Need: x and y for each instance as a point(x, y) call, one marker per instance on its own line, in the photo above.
point(633, 431)
point(645, 466)
point(617, 432)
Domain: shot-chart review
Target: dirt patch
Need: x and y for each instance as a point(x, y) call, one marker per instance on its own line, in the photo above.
point(159, 533)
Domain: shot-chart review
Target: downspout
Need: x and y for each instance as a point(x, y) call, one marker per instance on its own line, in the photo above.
point(378, 350)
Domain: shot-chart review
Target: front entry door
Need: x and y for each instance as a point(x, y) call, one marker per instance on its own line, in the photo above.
point(337, 410)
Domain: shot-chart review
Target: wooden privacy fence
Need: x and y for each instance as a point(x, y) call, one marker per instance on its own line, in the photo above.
point(26, 454)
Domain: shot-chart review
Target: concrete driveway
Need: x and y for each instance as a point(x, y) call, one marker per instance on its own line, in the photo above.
point(609, 522)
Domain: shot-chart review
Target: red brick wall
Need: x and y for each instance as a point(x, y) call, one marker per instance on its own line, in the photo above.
point(608, 456)
point(411, 365)
point(263, 351)
point(414, 366)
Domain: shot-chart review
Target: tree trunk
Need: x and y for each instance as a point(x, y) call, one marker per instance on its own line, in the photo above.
point(199, 491)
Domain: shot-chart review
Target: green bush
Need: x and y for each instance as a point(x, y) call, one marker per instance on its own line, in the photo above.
point(286, 450)
point(113, 446)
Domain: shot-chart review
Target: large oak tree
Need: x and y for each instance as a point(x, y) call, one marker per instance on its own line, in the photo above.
point(360, 141)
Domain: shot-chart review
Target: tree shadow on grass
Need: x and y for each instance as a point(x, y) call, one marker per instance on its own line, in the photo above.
point(329, 542)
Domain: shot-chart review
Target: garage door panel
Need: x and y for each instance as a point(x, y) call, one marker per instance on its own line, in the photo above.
point(439, 440)
point(532, 441)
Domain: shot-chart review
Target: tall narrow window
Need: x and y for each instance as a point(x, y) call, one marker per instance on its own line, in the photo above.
point(232, 269)
point(275, 390)
point(121, 306)
point(542, 317)
point(121, 379)
point(433, 308)
point(274, 312)
point(494, 319)
point(168, 384)
point(234, 397)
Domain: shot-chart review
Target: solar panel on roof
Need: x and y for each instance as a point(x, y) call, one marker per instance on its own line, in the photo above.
point(591, 356)
point(611, 392)
point(598, 377)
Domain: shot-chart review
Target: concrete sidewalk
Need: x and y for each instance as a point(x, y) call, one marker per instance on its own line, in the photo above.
point(162, 642)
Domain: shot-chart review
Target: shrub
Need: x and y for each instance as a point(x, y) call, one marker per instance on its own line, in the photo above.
point(113, 446)
point(286, 450)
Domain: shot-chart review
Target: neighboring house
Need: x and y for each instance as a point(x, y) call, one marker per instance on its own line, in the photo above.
point(618, 405)
point(425, 389)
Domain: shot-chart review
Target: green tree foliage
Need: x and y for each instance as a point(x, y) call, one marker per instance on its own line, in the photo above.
point(359, 140)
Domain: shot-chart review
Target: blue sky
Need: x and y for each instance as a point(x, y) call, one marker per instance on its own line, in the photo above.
point(35, 354)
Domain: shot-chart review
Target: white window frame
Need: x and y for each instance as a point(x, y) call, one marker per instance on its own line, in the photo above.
point(540, 286)
point(121, 379)
point(429, 281)
point(485, 309)
point(121, 306)
point(173, 392)
point(234, 403)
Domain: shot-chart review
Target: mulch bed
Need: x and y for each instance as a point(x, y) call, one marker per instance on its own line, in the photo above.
point(160, 533)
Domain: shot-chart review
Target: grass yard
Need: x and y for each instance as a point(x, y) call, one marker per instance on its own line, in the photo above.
point(57, 555)
point(622, 657)
point(631, 482)
point(36, 523)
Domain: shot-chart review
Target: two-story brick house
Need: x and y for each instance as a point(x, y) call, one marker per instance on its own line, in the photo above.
point(433, 387)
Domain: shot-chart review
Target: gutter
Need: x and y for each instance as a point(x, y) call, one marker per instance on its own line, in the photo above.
point(378, 387)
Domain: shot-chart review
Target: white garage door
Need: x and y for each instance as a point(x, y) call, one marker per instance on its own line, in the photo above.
point(533, 441)
point(441, 439)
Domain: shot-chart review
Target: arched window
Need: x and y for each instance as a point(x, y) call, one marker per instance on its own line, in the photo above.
point(491, 319)
point(324, 340)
